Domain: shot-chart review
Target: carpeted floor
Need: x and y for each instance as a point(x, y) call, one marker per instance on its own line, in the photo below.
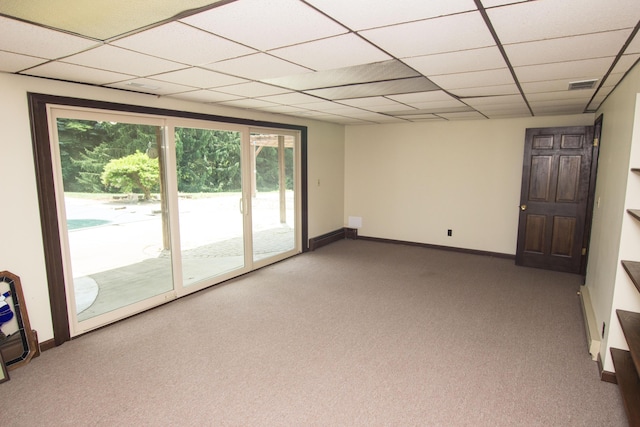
point(355, 333)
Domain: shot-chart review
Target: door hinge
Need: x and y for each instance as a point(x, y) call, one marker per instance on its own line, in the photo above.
point(596, 141)
point(584, 251)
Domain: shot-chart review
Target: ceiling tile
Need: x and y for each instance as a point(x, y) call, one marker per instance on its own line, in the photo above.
point(613, 79)
point(198, 77)
point(567, 95)
point(468, 115)
point(438, 105)
point(100, 19)
point(205, 96)
point(266, 25)
point(373, 102)
point(558, 109)
point(291, 98)
point(360, 14)
point(283, 109)
point(151, 86)
point(443, 35)
point(119, 60)
point(379, 71)
point(634, 46)
point(432, 96)
point(323, 106)
point(518, 108)
point(346, 50)
point(247, 103)
point(182, 43)
point(625, 63)
point(547, 19)
point(259, 66)
point(251, 89)
point(473, 79)
point(13, 62)
point(494, 100)
point(493, 3)
point(422, 116)
point(511, 89)
point(567, 49)
point(578, 70)
point(32, 40)
point(393, 87)
point(76, 73)
point(486, 58)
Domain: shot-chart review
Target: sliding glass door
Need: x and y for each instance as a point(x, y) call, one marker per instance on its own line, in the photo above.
point(154, 208)
point(273, 193)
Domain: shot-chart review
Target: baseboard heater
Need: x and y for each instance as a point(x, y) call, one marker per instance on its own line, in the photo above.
point(333, 236)
point(590, 326)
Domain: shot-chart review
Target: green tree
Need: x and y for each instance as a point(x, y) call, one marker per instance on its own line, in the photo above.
point(135, 171)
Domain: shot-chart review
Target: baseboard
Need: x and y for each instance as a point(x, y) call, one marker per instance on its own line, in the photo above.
point(444, 248)
point(606, 376)
point(333, 236)
point(590, 326)
point(47, 345)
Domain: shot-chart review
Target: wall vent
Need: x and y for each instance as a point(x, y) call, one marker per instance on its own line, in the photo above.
point(583, 84)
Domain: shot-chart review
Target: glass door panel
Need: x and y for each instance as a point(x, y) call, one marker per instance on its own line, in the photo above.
point(273, 212)
point(114, 223)
point(209, 177)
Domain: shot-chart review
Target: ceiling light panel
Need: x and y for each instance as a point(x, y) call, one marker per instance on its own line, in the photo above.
point(251, 89)
point(119, 60)
point(597, 45)
point(361, 14)
point(13, 62)
point(182, 43)
point(547, 19)
point(432, 36)
point(259, 66)
point(474, 79)
point(266, 25)
point(380, 71)
point(414, 84)
point(564, 70)
point(346, 50)
point(76, 73)
point(486, 58)
point(27, 39)
point(198, 77)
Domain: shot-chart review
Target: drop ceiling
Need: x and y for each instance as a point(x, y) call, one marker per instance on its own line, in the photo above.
point(349, 62)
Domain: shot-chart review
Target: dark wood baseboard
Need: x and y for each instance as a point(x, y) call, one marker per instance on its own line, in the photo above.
point(444, 248)
point(333, 236)
point(606, 376)
point(47, 345)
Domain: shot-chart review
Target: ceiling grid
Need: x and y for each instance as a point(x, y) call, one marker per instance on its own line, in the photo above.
point(355, 62)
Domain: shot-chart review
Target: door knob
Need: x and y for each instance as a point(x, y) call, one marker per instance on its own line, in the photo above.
point(523, 207)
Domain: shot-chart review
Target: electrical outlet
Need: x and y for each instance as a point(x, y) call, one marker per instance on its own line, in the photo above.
point(449, 232)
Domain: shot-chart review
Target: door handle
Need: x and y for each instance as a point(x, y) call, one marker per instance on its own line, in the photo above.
point(523, 207)
point(241, 206)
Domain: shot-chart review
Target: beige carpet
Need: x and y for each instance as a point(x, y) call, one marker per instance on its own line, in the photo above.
point(355, 333)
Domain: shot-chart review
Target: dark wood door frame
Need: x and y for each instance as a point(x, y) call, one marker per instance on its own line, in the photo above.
point(46, 189)
point(597, 132)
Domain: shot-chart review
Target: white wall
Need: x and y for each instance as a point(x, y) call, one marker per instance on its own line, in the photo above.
point(615, 235)
point(412, 182)
point(21, 249)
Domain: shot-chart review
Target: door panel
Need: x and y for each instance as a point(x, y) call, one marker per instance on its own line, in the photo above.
point(555, 188)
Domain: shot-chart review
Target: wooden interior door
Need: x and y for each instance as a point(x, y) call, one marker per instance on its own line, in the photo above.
point(554, 195)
